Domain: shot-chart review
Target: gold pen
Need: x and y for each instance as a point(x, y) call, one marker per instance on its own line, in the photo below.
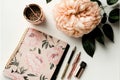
point(68, 63)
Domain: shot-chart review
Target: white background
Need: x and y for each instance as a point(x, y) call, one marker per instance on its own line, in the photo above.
point(105, 65)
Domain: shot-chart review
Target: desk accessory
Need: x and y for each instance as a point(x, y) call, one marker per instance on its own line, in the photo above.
point(81, 69)
point(74, 65)
point(33, 13)
point(68, 63)
point(38, 56)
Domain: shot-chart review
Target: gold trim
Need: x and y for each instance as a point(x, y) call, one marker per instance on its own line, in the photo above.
point(18, 46)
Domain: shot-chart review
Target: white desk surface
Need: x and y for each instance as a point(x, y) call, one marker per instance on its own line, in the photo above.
point(105, 65)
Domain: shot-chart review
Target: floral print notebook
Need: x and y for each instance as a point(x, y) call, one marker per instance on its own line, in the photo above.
point(38, 56)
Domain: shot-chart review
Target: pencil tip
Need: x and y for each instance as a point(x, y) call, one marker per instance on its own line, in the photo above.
point(74, 48)
point(79, 53)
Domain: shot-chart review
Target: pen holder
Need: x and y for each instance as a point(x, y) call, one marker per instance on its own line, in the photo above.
point(33, 13)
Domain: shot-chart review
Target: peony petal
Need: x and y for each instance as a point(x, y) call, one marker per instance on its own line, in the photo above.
point(77, 17)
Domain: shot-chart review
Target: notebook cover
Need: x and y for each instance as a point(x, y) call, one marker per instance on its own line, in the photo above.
point(38, 56)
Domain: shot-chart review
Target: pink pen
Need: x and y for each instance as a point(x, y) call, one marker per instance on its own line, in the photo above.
point(77, 59)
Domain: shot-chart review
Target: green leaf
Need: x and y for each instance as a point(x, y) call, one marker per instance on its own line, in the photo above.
point(48, 1)
point(31, 74)
point(88, 44)
point(99, 3)
point(44, 40)
point(45, 35)
point(43, 44)
point(58, 41)
point(22, 70)
point(42, 77)
point(46, 46)
point(94, 0)
point(108, 31)
point(104, 18)
point(50, 46)
point(51, 65)
point(99, 35)
point(39, 50)
point(12, 71)
point(50, 36)
point(111, 2)
point(33, 49)
point(25, 78)
point(14, 62)
point(114, 15)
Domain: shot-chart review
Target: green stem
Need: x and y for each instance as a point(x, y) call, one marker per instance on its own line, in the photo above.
point(103, 8)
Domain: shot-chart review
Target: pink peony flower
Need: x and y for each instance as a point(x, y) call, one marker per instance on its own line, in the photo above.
point(77, 17)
